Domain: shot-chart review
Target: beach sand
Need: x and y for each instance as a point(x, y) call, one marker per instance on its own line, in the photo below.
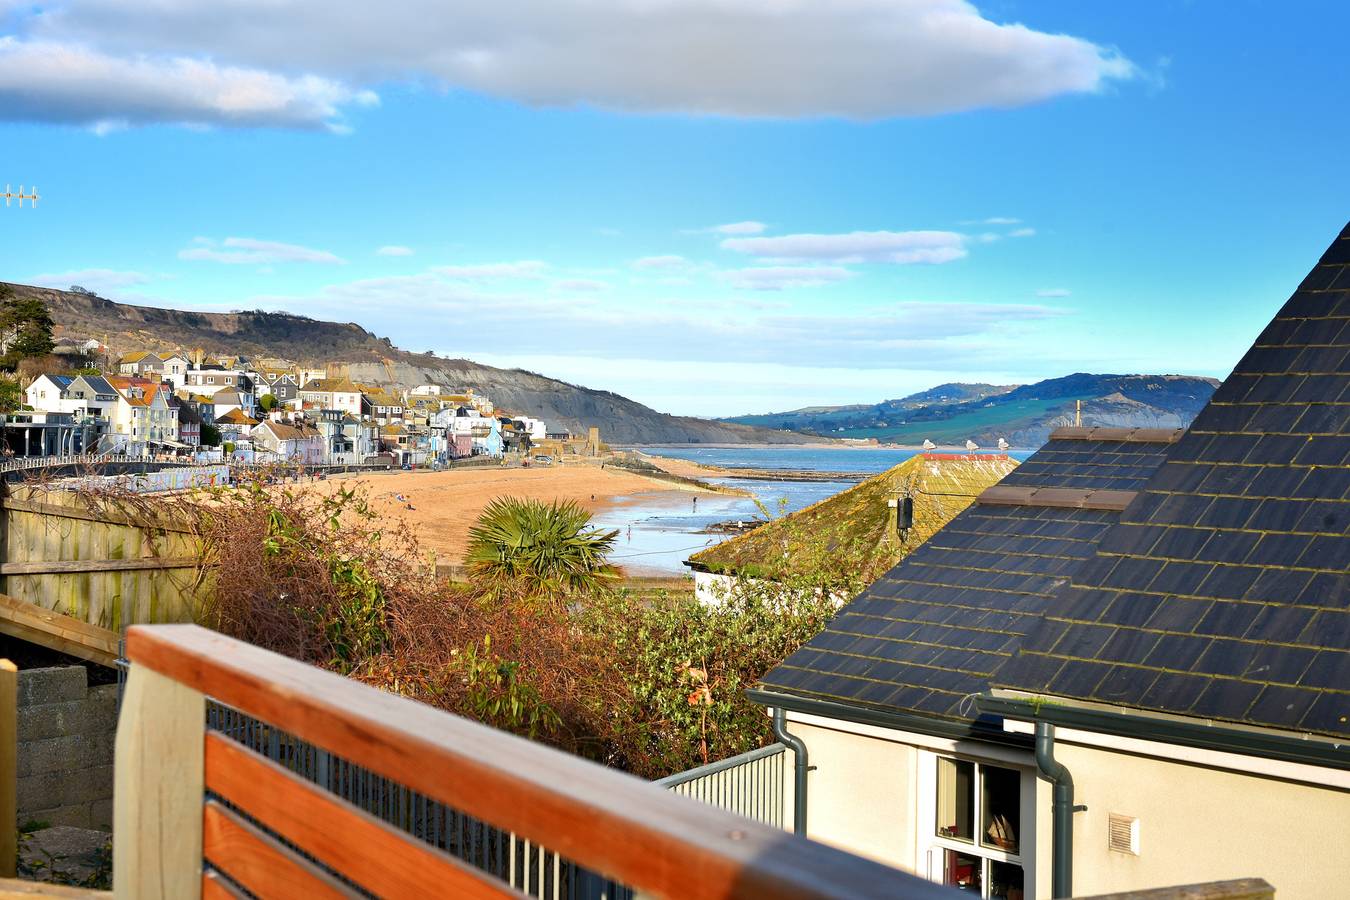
point(446, 504)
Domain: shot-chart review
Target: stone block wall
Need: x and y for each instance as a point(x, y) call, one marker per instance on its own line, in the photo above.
point(66, 731)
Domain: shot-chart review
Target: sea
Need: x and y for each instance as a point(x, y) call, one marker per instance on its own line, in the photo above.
point(657, 533)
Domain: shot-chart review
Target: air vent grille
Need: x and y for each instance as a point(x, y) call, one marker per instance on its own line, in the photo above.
point(1124, 834)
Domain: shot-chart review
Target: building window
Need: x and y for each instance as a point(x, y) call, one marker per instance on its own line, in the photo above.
point(978, 818)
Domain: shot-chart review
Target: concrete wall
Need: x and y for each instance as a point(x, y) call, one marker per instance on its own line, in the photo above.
point(860, 795)
point(1198, 823)
point(65, 752)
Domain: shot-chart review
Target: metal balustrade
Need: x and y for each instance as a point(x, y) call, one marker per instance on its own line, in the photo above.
point(751, 784)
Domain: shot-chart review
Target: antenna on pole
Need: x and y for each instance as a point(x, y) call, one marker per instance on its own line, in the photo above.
point(21, 196)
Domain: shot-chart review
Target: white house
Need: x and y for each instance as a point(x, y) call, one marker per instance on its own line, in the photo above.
point(47, 393)
point(285, 442)
point(332, 393)
point(173, 368)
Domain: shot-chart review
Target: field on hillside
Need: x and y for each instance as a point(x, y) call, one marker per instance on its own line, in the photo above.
point(1009, 416)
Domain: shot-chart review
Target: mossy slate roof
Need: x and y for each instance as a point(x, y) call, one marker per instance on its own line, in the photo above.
point(853, 527)
point(1223, 592)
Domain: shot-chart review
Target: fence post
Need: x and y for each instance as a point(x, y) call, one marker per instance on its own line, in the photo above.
point(9, 772)
point(158, 785)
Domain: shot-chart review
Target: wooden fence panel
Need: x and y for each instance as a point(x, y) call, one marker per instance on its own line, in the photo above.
point(104, 566)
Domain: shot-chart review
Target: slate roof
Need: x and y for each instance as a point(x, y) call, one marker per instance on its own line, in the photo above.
point(1224, 592)
point(99, 384)
point(853, 525)
point(927, 635)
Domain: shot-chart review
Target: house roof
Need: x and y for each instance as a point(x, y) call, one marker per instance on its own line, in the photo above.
point(61, 381)
point(99, 384)
point(342, 385)
point(854, 526)
point(288, 432)
point(236, 416)
point(928, 634)
point(134, 357)
point(1224, 591)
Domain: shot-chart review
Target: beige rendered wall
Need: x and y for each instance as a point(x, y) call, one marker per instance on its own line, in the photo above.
point(860, 794)
point(1204, 824)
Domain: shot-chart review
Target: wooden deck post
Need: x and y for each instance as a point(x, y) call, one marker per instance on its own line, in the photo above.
point(158, 789)
point(9, 772)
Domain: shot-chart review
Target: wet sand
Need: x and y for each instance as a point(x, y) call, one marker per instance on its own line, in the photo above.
point(446, 504)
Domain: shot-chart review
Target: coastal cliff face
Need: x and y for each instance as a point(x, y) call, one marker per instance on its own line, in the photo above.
point(347, 348)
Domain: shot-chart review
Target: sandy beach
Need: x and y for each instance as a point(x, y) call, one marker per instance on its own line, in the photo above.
point(446, 504)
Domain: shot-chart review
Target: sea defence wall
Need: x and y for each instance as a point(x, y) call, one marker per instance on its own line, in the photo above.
point(65, 732)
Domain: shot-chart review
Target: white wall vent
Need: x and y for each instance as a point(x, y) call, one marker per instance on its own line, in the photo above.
point(1123, 834)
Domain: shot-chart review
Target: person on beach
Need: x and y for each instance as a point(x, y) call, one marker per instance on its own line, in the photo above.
point(695, 504)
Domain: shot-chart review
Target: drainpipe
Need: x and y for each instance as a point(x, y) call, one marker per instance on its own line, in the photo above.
point(1061, 882)
point(794, 743)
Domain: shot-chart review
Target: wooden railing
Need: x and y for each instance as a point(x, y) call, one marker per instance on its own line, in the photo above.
point(199, 814)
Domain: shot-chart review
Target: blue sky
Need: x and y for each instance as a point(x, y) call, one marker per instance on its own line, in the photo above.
point(917, 191)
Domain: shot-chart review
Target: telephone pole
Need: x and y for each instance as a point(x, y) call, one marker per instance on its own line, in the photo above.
point(20, 196)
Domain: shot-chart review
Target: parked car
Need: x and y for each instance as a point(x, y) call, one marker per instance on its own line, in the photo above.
point(544, 459)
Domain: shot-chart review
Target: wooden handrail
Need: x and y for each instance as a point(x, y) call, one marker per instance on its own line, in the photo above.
point(612, 823)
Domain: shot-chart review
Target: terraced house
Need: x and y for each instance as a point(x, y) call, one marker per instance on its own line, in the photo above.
point(1127, 660)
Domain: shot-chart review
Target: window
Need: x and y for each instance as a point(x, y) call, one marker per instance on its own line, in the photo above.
point(977, 825)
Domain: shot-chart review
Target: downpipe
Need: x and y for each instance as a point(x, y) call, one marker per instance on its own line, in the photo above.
point(1062, 810)
point(800, 768)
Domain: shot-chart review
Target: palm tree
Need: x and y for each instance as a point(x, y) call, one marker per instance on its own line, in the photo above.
point(539, 548)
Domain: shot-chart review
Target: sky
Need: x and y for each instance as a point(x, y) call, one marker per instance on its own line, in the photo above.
point(714, 207)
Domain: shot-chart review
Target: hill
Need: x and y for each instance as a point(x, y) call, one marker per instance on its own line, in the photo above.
point(828, 419)
point(348, 349)
point(1023, 414)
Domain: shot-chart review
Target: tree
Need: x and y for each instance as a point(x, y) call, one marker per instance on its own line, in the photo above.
point(268, 402)
point(210, 435)
point(11, 394)
point(25, 328)
point(539, 549)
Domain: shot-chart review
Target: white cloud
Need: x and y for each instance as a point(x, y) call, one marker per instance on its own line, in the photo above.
point(531, 269)
point(739, 228)
point(863, 59)
point(667, 263)
point(394, 250)
point(949, 335)
point(55, 81)
point(901, 247)
point(993, 220)
point(93, 279)
point(250, 251)
point(1053, 292)
point(777, 278)
point(581, 285)
point(1022, 232)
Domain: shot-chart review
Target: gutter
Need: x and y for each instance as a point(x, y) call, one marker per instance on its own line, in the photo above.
point(1207, 734)
point(800, 769)
point(899, 720)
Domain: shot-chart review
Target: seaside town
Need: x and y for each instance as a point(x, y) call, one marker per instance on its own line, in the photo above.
point(728, 451)
point(157, 405)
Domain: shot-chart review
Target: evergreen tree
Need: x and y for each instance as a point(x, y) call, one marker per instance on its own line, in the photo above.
point(25, 328)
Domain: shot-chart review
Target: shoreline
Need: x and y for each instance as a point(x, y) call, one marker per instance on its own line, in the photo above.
point(441, 506)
